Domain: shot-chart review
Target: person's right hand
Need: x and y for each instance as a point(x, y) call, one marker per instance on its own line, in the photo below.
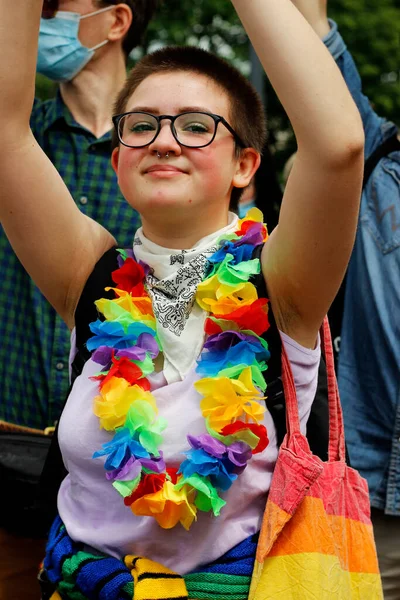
point(316, 13)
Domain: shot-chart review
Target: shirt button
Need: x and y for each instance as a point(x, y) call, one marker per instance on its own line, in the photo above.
point(59, 366)
point(83, 200)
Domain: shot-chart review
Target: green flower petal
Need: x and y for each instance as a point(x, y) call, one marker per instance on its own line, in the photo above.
point(207, 496)
point(125, 488)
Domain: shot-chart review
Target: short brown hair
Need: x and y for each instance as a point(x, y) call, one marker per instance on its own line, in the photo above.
point(247, 115)
point(142, 12)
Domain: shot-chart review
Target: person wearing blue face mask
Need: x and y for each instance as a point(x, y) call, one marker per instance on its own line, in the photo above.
point(61, 54)
point(84, 46)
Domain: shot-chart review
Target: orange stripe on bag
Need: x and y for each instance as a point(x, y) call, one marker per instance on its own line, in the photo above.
point(328, 535)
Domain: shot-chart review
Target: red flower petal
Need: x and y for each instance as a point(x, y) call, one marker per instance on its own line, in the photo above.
point(210, 327)
point(128, 370)
point(246, 226)
point(173, 473)
point(125, 369)
point(130, 278)
point(259, 430)
point(149, 484)
point(253, 317)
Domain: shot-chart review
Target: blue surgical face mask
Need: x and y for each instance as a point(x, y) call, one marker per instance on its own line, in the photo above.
point(61, 55)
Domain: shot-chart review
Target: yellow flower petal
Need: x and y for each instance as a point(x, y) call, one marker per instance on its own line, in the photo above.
point(226, 400)
point(168, 506)
point(254, 214)
point(139, 309)
point(115, 399)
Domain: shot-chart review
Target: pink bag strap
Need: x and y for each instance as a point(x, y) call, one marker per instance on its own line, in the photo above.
point(336, 449)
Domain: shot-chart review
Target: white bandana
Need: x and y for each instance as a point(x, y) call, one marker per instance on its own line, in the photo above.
point(172, 285)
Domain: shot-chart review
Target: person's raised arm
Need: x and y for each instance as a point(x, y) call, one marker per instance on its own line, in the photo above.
point(316, 13)
point(56, 243)
point(307, 253)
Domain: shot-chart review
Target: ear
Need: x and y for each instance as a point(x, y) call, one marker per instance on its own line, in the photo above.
point(122, 20)
point(114, 160)
point(247, 164)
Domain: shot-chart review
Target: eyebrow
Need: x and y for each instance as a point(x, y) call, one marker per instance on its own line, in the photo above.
point(182, 109)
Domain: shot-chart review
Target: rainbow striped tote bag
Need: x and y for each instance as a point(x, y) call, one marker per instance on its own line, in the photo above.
point(316, 540)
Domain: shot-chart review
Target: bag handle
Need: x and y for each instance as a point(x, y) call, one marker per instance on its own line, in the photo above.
point(336, 449)
point(7, 427)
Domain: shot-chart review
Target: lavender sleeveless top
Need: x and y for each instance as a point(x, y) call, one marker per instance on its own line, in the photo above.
point(94, 512)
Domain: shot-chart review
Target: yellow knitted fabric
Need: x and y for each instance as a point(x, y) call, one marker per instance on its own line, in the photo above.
point(152, 581)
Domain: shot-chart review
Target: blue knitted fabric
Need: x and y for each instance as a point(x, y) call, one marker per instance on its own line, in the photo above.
point(238, 561)
point(99, 577)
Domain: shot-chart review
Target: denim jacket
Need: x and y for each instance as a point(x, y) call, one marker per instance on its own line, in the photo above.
point(369, 359)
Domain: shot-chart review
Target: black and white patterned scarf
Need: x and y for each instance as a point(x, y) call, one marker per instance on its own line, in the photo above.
point(172, 284)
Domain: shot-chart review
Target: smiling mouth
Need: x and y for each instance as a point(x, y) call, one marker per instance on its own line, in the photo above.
point(164, 171)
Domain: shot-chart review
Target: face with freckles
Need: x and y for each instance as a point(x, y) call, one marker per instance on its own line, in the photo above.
point(191, 181)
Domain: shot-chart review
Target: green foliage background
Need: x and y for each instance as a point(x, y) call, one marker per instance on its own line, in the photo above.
point(371, 29)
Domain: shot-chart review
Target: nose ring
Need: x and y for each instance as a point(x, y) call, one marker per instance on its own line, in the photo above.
point(159, 155)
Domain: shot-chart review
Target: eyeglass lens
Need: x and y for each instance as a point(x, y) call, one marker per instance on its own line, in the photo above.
point(50, 7)
point(191, 129)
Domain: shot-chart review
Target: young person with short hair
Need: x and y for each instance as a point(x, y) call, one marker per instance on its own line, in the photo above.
point(177, 358)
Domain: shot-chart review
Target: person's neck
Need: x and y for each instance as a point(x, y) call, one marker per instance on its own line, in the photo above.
point(182, 236)
point(90, 95)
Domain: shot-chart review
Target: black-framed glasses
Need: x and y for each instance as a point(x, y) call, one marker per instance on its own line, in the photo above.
point(191, 129)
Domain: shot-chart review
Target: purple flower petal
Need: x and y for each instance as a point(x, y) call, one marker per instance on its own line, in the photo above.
point(207, 443)
point(133, 353)
point(226, 339)
point(154, 464)
point(254, 236)
point(239, 453)
point(148, 343)
point(129, 471)
point(102, 356)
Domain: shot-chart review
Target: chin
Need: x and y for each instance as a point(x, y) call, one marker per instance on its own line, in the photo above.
point(161, 199)
point(164, 207)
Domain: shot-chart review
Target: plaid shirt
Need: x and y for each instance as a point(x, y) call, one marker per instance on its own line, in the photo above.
point(34, 341)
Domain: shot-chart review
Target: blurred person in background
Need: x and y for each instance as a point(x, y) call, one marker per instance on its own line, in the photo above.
point(83, 45)
point(369, 357)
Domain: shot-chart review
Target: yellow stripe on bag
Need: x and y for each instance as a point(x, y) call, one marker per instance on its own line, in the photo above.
point(309, 576)
point(153, 581)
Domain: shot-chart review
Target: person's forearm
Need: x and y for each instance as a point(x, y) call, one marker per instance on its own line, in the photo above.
point(305, 77)
point(19, 26)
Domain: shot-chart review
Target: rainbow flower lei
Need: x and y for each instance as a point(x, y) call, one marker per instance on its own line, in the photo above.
point(231, 365)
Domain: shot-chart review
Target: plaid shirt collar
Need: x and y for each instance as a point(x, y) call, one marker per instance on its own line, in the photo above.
point(59, 112)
